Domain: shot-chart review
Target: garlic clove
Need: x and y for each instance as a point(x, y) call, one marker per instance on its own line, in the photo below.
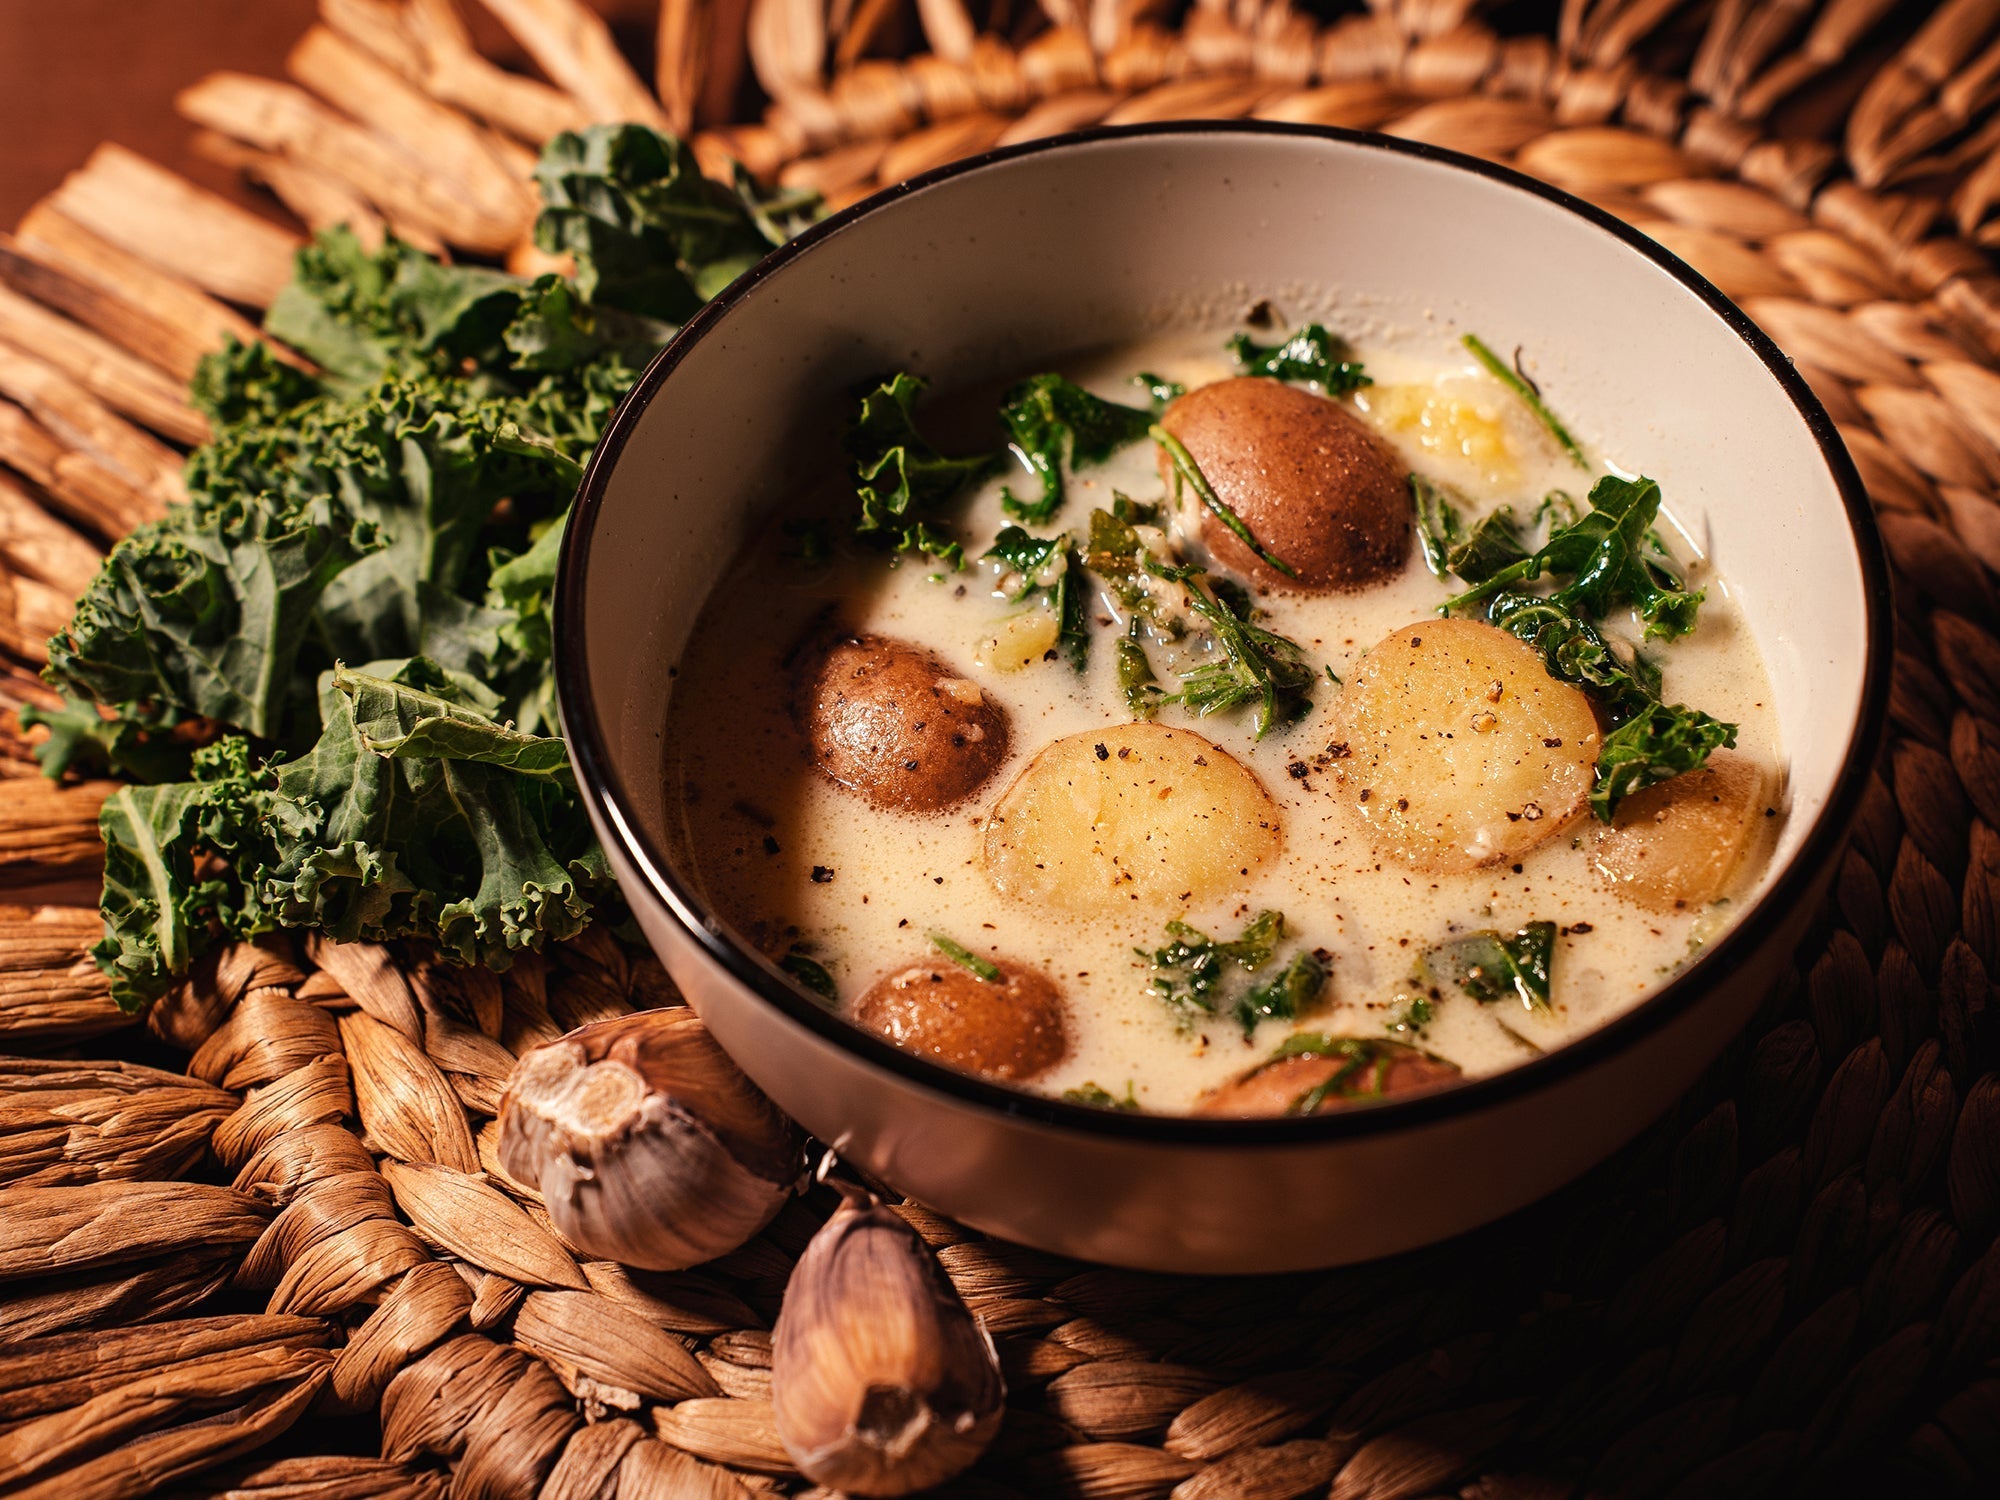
point(881, 1379)
point(647, 1143)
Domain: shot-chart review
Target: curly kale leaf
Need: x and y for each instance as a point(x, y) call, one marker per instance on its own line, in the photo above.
point(1030, 556)
point(1243, 663)
point(1608, 558)
point(1191, 972)
point(779, 213)
point(1250, 666)
point(571, 408)
point(1055, 424)
point(1490, 965)
point(1658, 743)
point(247, 384)
point(360, 315)
point(1312, 356)
point(417, 814)
point(1491, 546)
point(205, 612)
point(648, 232)
point(900, 478)
point(1285, 995)
point(401, 499)
point(555, 330)
point(356, 313)
point(165, 900)
point(522, 589)
point(343, 528)
point(1191, 968)
point(1440, 526)
point(436, 466)
point(82, 738)
point(422, 713)
point(1574, 651)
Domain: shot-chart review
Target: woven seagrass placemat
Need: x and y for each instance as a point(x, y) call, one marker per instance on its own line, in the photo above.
point(260, 1245)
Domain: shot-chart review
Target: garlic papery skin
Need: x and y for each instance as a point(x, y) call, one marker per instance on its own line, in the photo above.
point(647, 1143)
point(882, 1381)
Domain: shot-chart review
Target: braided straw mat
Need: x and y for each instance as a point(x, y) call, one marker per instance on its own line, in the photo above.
point(259, 1245)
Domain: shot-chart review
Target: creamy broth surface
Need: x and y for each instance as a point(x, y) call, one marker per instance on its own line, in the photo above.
point(794, 861)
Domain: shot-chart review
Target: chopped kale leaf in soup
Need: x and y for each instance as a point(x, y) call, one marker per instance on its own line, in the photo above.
point(1252, 725)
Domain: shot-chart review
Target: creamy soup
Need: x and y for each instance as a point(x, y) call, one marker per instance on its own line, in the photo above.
point(1104, 894)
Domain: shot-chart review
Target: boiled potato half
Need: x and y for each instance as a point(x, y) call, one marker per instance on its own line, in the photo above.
point(1460, 749)
point(1013, 1027)
point(1317, 488)
point(893, 724)
point(1677, 845)
point(1129, 814)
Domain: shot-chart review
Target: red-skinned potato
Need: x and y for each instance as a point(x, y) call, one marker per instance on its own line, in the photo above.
point(1014, 1027)
point(1330, 1073)
point(1317, 488)
point(893, 724)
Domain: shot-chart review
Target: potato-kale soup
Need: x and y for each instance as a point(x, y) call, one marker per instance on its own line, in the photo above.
point(1227, 725)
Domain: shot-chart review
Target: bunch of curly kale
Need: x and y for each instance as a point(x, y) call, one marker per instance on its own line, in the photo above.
point(327, 677)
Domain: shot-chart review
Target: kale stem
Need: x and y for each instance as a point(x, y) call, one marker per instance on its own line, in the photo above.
point(1522, 571)
point(1508, 376)
point(1188, 469)
point(965, 958)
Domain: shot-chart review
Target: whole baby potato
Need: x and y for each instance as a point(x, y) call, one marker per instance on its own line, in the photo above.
point(1677, 844)
point(1311, 1083)
point(1317, 488)
point(1458, 749)
point(894, 725)
point(1131, 813)
point(1012, 1028)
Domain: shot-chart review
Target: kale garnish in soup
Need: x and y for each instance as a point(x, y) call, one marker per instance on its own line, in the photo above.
point(1266, 725)
point(1053, 425)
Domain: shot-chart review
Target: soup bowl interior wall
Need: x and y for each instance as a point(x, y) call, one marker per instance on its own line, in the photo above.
point(1001, 267)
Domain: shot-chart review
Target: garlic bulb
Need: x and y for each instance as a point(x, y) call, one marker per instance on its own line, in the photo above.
point(882, 1380)
point(647, 1143)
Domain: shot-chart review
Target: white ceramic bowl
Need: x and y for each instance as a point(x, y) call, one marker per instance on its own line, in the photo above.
point(1008, 261)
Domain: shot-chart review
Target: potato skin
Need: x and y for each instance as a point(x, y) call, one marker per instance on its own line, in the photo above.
point(1278, 1087)
point(1313, 483)
point(1677, 844)
point(1130, 813)
point(1014, 1028)
point(1460, 749)
point(894, 725)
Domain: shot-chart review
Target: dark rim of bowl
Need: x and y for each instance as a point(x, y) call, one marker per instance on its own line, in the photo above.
point(604, 791)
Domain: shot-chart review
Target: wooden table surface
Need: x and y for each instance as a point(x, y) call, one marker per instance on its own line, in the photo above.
point(76, 72)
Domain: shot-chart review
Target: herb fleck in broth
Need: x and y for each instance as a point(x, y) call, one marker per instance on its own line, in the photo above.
point(1329, 937)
